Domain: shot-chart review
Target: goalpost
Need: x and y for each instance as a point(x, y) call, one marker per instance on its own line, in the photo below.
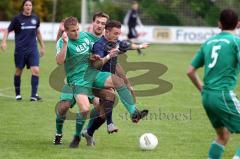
point(83, 15)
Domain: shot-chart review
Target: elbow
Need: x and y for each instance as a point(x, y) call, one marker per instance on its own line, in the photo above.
point(59, 61)
point(191, 71)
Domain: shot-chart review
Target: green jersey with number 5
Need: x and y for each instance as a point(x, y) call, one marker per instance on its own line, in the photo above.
point(220, 56)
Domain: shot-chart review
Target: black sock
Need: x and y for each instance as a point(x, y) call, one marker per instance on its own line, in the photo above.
point(108, 106)
point(17, 83)
point(97, 122)
point(34, 83)
point(109, 117)
point(139, 51)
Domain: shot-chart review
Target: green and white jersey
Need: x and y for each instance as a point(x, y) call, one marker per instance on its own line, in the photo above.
point(77, 64)
point(220, 57)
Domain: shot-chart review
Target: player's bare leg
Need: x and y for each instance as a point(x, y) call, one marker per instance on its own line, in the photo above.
point(84, 107)
point(217, 147)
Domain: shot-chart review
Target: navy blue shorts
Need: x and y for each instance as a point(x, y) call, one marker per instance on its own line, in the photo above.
point(132, 33)
point(22, 59)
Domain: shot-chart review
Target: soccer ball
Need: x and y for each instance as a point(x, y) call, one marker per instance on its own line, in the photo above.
point(148, 141)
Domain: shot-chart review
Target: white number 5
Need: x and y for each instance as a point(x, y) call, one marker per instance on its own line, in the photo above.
point(214, 55)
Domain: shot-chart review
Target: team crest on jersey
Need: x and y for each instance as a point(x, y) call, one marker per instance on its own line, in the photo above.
point(33, 21)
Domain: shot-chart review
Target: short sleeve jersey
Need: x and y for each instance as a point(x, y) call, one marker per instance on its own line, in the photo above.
point(25, 29)
point(220, 57)
point(77, 64)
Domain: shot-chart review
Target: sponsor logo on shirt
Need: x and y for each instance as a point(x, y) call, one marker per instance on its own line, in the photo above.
point(33, 21)
point(28, 27)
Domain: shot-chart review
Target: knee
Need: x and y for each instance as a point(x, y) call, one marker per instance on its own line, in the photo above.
point(224, 137)
point(35, 71)
point(110, 95)
point(85, 110)
point(63, 107)
point(117, 81)
point(18, 72)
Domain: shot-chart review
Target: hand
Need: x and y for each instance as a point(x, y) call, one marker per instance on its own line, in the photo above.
point(113, 52)
point(65, 37)
point(95, 57)
point(61, 27)
point(143, 46)
point(42, 52)
point(3, 45)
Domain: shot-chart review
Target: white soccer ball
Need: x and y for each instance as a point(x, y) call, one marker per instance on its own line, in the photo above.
point(148, 141)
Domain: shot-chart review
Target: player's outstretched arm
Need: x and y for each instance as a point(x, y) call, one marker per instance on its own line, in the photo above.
point(192, 74)
point(4, 40)
point(40, 40)
point(139, 46)
point(98, 62)
point(61, 55)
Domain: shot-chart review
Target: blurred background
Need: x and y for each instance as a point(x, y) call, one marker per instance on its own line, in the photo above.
point(164, 21)
point(152, 12)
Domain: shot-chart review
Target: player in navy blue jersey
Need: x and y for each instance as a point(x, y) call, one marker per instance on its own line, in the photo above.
point(26, 28)
point(132, 19)
point(102, 49)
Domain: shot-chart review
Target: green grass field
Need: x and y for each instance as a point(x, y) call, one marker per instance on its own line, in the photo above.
point(27, 129)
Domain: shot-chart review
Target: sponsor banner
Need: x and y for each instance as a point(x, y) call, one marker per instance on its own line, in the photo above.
point(150, 34)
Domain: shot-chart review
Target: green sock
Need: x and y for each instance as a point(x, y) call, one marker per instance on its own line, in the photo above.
point(127, 99)
point(80, 120)
point(215, 151)
point(59, 123)
point(237, 152)
point(93, 114)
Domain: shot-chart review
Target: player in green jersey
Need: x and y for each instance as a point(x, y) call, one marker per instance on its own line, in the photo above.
point(67, 99)
point(220, 57)
point(74, 52)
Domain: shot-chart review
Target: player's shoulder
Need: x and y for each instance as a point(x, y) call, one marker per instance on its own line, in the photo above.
point(33, 15)
point(18, 16)
point(88, 34)
point(101, 41)
point(217, 38)
point(236, 38)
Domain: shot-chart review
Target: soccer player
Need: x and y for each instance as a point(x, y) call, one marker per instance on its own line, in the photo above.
point(112, 33)
point(26, 28)
point(67, 98)
point(74, 51)
point(220, 57)
point(132, 19)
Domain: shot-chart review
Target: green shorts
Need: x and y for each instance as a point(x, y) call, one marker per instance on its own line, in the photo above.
point(100, 79)
point(69, 92)
point(223, 109)
point(67, 95)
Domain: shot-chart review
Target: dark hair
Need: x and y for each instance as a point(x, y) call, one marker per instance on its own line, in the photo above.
point(24, 1)
point(70, 21)
point(134, 2)
point(229, 19)
point(113, 24)
point(100, 14)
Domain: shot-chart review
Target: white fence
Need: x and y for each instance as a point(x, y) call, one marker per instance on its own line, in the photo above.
point(151, 34)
